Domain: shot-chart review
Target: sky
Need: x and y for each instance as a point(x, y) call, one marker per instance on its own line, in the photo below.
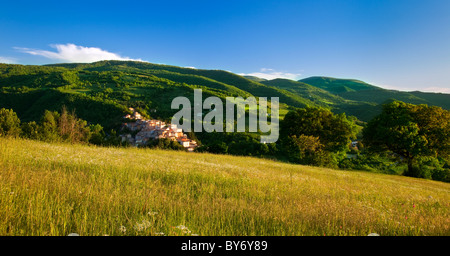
point(395, 44)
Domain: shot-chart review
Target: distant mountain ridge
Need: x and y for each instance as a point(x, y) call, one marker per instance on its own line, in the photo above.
point(255, 78)
point(102, 91)
point(337, 85)
point(356, 90)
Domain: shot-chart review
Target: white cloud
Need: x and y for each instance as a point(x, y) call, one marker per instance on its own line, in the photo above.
point(8, 60)
point(75, 53)
point(437, 89)
point(269, 74)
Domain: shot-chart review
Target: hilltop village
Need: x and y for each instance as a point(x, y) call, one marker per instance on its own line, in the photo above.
point(152, 130)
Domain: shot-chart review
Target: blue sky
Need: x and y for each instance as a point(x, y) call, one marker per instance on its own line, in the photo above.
point(399, 44)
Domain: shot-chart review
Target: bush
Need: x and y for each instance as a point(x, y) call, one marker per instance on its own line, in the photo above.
point(218, 148)
point(308, 150)
point(418, 171)
point(165, 143)
point(30, 130)
point(97, 134)
point(371, 163)
point(430, 168)
point(441, 174)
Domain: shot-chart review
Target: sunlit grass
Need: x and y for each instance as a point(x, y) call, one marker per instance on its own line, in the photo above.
point(57, 189)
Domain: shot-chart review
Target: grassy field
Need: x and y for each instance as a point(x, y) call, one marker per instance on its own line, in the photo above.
point(57, 189)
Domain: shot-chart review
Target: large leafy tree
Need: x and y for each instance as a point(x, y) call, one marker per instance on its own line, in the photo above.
point(333, 131)
point(410, 131)
point(314, 136)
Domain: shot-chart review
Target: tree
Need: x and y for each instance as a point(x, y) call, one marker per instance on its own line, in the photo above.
point(218, 148)
point(48, 130)
point(9, 123)
point(71, 128)
point(410, 131)
point(112, 139)
point(333, 131)
point(30, 130)
point(303, 149)
point(97, 134)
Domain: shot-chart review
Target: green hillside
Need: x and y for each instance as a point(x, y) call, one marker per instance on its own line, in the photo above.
point(314, 94)
point(113, 86)
point(101, 92)
point(256, 79)
point(359, 91)
point(57, 189)
point(235, 82)
point(320, 97)
point(438, 99)
point(336, 85)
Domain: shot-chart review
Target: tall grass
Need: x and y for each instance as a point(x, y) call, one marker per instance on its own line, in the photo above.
point(57, 189)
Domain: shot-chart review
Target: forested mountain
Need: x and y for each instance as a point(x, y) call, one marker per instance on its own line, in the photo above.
point(356, 90)
point(336, 85)
point(101, 92)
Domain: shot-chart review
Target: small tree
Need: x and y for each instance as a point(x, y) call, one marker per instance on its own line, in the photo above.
point(71, 128)
point(48, 129)
point(9, 123)
point(97, 134)
point(410, 131)
point(30, 130)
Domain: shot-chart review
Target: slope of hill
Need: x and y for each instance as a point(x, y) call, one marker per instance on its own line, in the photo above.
point(101, 92)
point(312, 93)
point(361, 109)
point(57, 189)
point(356, 90)
point(336, 85)
point(255, 78)
point(219, 76)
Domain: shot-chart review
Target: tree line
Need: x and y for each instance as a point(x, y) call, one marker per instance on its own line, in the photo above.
point(408, 139)
point(54, 126)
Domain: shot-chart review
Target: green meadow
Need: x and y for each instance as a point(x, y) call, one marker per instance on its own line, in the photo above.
point(58, 189)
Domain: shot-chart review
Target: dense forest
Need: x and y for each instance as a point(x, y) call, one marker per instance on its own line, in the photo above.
point(85, 103)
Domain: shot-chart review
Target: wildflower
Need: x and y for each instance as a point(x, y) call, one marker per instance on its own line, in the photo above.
point(139, 227)
point(184, 229)
point(142, 226)
point(123, 229)
point(373, 234)
point(73, 234)
point(146, 224)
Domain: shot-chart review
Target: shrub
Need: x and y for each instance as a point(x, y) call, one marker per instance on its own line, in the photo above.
point(165, 143)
